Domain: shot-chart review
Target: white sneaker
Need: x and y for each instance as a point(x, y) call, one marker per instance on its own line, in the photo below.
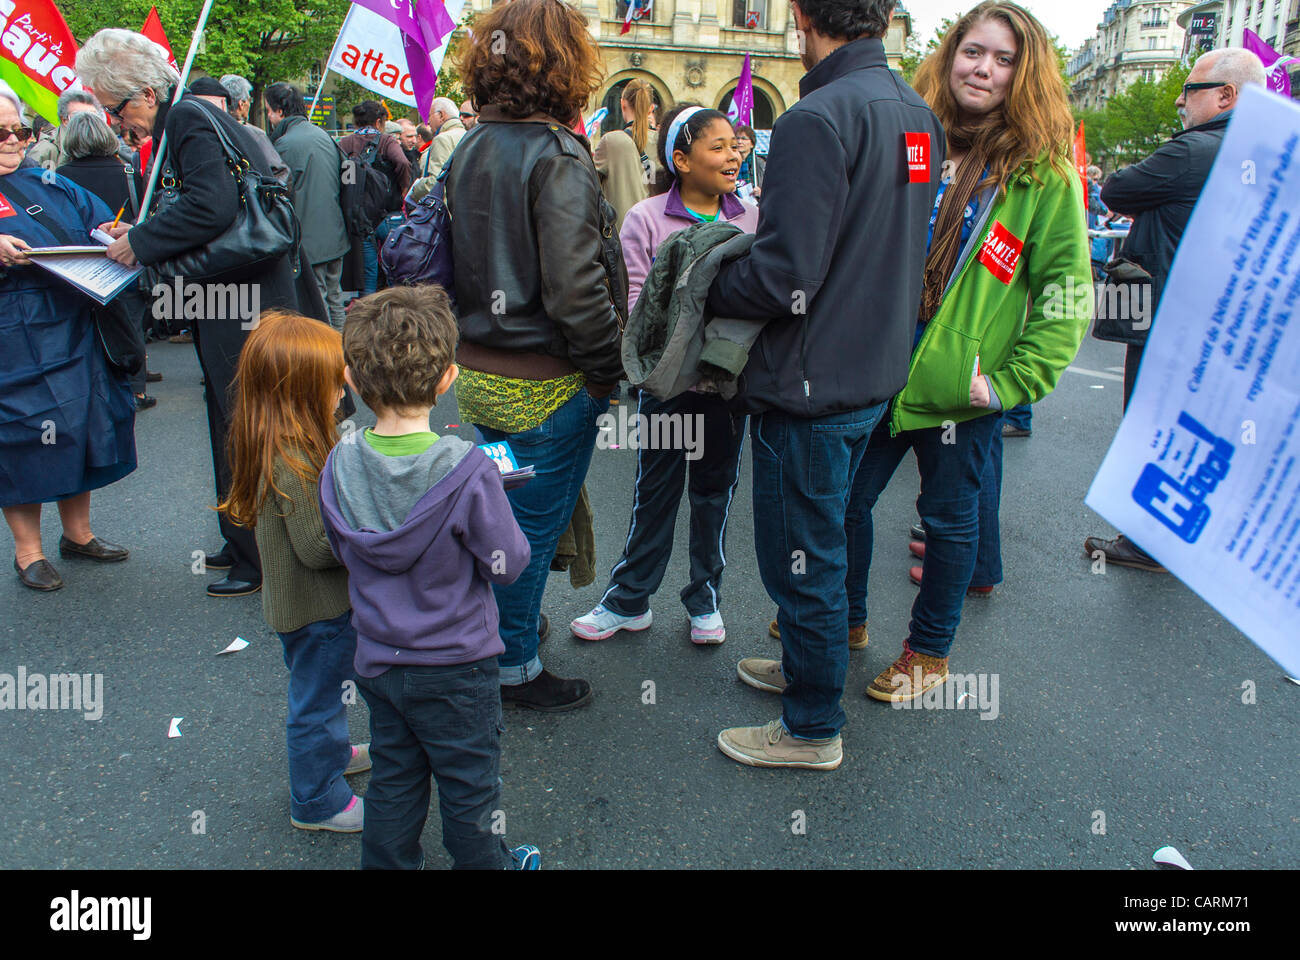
point(708, 628)
point(349, 820)
point(601, 624)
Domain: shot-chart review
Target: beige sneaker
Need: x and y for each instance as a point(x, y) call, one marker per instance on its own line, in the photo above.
point(857, 635)
point(770, 746)
point(911, 675)
point(762, 674)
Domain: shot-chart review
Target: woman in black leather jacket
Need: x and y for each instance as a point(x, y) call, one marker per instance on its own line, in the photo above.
point(541, 292)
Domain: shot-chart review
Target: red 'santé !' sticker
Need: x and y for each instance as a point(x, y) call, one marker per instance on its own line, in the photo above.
point(918, 157)
point(1001, 252)
point(5, 209)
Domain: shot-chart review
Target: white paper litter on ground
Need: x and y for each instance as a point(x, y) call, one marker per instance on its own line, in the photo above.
point(174, 730)
point(1171, 857)
point(239, 643)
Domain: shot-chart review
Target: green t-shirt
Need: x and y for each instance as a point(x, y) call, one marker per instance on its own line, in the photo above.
point(702, 217)
point(402, 446)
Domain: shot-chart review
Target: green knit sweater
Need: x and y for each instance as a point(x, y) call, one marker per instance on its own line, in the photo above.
point(302, 581)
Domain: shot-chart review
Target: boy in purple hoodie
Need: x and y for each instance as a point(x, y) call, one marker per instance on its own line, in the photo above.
point(424, 528)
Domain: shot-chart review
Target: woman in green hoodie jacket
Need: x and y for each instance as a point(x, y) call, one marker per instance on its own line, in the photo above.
point(1007, 298)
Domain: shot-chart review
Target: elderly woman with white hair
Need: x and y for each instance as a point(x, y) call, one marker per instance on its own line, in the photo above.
point(130, 75)
point(67, 423)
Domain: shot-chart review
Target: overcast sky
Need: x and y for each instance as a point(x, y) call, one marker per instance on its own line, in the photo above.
point(1072, 20)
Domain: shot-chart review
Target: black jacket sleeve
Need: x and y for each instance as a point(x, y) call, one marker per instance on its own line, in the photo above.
point(575, 288)
point(209, 200)
point(1156, 181)
point(797, 231)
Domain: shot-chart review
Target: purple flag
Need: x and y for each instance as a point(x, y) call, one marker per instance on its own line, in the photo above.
point(742, 99)
point(424, 24)
point(1279, 81)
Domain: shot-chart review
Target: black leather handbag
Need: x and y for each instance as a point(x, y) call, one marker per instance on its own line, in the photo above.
point(1113, 329)
point(264, 229)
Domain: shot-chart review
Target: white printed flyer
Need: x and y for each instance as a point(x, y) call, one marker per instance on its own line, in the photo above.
point(1204, 473)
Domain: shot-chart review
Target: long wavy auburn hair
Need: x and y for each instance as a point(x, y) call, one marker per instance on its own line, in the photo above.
point(286, 391)
point(1036, 116)
point(532, 55)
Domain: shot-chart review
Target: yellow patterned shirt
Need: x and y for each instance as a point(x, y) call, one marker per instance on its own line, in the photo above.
point(512, 405)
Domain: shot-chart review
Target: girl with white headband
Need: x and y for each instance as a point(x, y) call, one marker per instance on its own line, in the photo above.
point(700, 160)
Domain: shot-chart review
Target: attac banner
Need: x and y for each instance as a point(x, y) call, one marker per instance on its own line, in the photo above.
point(37, 53)
point(369, 51)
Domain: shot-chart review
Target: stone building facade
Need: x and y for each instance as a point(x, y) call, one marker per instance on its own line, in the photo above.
point(1136, 39)
point(694, 50)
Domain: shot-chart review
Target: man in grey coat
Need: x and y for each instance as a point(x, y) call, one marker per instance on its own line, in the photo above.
point(239, 99)
point(314, 164)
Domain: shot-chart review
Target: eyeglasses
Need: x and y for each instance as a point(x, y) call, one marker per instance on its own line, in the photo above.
point(468, 115)
point(117, 111)
point(1187, 87)
point(23, 134)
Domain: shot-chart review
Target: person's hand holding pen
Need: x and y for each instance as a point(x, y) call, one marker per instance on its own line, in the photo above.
point(120, 249)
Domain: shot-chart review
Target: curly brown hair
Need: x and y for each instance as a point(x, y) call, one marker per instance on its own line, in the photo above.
point(398, 343)
point(531, 56)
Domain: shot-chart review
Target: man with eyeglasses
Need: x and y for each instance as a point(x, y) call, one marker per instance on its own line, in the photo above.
point(1160, 193)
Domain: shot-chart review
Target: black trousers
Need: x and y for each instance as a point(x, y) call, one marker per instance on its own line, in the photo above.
point(704, 439)
point(218, 343)
point(444, 723)
point(1132, 363)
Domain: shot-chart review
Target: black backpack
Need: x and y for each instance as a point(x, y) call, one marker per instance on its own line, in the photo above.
point(366, 190)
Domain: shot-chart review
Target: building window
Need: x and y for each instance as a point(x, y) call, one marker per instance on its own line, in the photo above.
point(620, 12)
point(749, 14)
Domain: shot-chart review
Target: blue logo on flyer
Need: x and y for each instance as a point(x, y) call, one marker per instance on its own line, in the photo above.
point(1199, 461)
point(500, 454)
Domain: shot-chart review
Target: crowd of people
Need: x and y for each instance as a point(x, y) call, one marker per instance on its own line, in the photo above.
point(398, 558)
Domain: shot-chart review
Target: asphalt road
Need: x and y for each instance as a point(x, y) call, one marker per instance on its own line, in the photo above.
point(1120, 696)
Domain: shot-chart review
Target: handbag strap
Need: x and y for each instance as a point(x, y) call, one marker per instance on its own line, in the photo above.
point(38, 213)
point(227, 145)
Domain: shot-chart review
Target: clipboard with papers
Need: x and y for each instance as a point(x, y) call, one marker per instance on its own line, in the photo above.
point(87, 268)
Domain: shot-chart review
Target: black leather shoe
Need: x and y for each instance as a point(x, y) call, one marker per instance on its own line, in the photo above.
point(153, 376)
point(1123, 552)
point(543, 627)
point(548, 693)
point(1009, 431)
point(917, 531)
point(143, 401)
point(233, 588)
point(96, 549)
point(39, 575)
point(221, 560)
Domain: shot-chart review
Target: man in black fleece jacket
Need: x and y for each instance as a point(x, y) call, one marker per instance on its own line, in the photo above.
point(835, 277)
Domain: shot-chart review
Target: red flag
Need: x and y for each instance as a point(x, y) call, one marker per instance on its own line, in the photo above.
point(153, 29)
point(1081, 159)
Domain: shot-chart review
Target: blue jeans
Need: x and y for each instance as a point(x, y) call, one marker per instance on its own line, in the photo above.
point(370, 250)
point(988, 557)
point(802, 473)
point(560, 451)
point(319, 657)
point(443, 722)
point(949, 505)
point(1021, 417)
